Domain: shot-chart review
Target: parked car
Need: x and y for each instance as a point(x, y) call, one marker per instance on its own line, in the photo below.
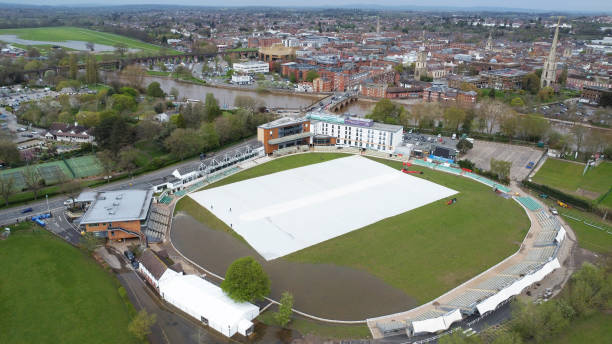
point(129, 255)
point(68, 202)
point(27, 210)
point(135, 265)
point(554, 211)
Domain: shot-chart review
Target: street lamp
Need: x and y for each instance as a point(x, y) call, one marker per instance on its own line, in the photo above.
point(47, 198)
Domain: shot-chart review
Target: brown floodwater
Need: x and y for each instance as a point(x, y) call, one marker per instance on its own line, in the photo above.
point(324, 290)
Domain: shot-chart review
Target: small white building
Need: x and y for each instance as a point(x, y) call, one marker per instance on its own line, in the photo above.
point(251, 67)
point(207, 303)
point(240, 79)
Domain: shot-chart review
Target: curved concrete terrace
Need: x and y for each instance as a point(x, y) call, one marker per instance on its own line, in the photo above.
point(562, 253)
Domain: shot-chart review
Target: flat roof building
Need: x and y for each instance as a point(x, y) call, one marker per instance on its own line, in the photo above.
point(251, 67)
point(284, 132)
point(116, 214)
point(357, 132)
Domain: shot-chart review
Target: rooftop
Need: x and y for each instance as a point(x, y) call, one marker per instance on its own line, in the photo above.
point(282, 122)
point(113, 206)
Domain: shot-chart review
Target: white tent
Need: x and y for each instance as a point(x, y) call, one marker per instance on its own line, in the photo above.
point(432, 325)
point(517, 287)
point(207, 303)
point(560, 235)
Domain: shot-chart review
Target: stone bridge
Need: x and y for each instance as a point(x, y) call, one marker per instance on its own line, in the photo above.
point(148, 60)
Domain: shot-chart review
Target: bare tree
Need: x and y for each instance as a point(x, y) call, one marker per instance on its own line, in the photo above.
point(33, 179)
point(7, 188)
point(493, 113)
point(107, 159)
point(71, 188)
point(580, 134)
point(134, 75)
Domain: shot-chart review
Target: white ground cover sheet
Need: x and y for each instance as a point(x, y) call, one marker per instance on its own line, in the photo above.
point(284, 212)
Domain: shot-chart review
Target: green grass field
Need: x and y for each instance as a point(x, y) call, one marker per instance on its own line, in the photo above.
point(590, 238)
point(325, 330)
point(67, 33)
point(426, 251)
point(567, 176)
point(595, 329)
point(52, 293)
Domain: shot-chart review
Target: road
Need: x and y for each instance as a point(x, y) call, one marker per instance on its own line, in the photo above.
point(143, 181)
point(170, 327)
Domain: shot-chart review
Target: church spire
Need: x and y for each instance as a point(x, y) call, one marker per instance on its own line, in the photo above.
point(549, 72)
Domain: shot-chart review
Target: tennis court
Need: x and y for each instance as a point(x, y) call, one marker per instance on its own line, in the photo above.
point(17, 177)
point(52, 174)
point(85, 166)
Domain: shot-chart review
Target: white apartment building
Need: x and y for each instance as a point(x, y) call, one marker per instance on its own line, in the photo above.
point(251, 67)
point(354, 132)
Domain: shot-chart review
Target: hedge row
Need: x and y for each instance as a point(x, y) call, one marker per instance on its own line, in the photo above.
point(560, 195)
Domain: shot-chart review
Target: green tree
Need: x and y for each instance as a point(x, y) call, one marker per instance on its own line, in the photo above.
point(283, 316)
point(154, 90)
point(245, 280)
point(546, 94)
point(127, 159)
point(210, 138)
point(122, 103)
point(464, 146)
point(91, 70)
point(183, 143)
point(501, 168)
point(211, 107)
point(453, 117)
point(140, 326)
point(517, 102)
point(9, 152)
point(386, 111)
point(73, 68)
point(311, 75)
point(531, 83)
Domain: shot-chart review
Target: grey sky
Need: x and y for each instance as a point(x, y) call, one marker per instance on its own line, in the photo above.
point(552, 5)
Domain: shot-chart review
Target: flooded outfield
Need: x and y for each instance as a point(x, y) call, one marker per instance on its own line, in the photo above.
point(323, 290)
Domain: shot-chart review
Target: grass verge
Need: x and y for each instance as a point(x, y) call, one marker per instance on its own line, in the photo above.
point(57, 294)
point(325, 330)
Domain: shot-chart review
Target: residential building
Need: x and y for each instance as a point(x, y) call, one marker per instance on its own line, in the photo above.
point(503, 79)
point(63, 132)
point(592, 94)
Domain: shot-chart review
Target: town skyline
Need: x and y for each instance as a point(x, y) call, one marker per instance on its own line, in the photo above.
point(589, 6)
